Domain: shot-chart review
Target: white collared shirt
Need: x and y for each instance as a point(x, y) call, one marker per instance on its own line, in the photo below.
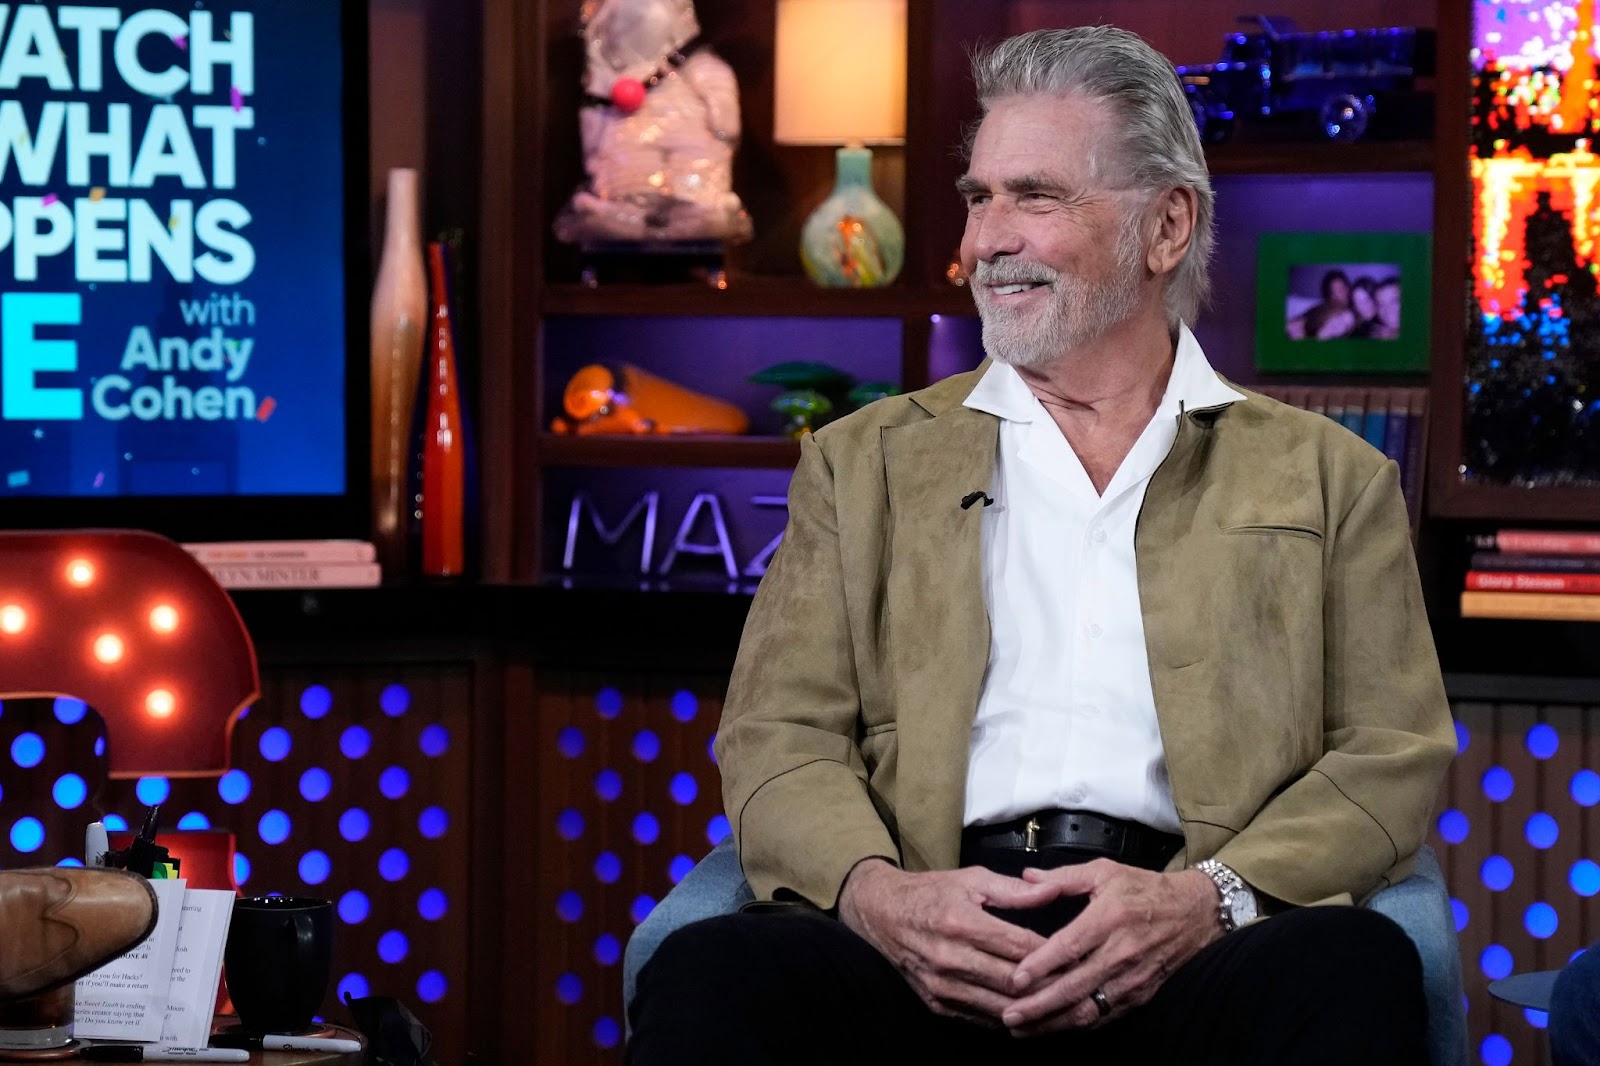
point(1067, 717)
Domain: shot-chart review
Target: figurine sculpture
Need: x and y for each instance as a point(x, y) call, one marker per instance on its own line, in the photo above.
point(659, 127)
point(626, 399)
point(813, 391)
point(1343, 80)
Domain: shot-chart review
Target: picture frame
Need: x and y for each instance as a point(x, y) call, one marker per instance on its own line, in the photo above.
point(1377, 320)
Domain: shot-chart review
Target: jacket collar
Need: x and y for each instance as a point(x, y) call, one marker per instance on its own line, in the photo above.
point(1000, 391)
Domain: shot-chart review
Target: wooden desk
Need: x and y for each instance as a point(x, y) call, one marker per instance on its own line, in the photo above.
point(304, 1058)
point(257, 1058)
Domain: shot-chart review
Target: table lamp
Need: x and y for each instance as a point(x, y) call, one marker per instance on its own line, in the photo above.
point(841, 79)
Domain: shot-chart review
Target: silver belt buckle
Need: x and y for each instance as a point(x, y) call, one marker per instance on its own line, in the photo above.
point(1030, 837)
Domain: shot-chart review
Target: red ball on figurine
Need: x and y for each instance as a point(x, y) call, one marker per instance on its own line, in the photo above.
point(628, 94)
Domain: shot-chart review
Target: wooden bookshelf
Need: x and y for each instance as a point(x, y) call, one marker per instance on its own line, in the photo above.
point(755, 296)
point(1312, 157)
point(778, 453)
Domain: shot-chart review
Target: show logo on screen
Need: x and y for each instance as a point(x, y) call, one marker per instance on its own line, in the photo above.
point(171, 250)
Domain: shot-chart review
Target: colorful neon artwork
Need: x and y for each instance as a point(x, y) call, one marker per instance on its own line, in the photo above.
point(1532, 369)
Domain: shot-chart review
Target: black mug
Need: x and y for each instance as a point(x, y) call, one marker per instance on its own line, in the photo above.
point(279, 958)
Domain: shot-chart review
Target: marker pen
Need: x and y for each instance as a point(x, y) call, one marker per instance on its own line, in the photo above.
point(156, 1053)
point(95, 844)
point(284, 1042)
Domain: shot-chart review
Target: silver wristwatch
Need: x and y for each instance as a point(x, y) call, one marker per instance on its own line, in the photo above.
point(1238, 905)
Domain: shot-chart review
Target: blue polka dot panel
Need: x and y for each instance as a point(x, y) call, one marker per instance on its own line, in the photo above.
point(636, 799)
point(1516, 826)
point(352, 784)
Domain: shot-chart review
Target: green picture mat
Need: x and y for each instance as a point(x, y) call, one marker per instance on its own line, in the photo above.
point(1277, 253)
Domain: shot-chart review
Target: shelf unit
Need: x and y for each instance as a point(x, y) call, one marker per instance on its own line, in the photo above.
point(755, 297)
point(1298, 157)
point(687, 451)
point(531, 162)
point(532, 157)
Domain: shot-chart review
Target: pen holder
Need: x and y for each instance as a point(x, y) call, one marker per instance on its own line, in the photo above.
point(279, 957)
point(41, 1023)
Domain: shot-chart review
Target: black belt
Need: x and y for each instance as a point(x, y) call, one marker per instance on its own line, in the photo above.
point(1126, 842)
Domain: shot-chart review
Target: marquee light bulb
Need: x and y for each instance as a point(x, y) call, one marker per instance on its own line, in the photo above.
point(80, 572)
point(159, 703)
point(13, 619)
point(164, 619)
point(108, 648)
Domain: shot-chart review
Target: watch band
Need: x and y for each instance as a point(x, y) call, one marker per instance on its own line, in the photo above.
point(1228, 883)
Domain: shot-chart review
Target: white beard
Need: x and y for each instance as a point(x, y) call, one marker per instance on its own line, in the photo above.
point(1079, 310)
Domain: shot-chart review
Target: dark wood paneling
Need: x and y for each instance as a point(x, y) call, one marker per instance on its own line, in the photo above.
point(1498, 733)
point(644, 702)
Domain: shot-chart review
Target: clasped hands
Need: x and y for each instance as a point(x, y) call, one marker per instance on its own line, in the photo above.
point(1138, 927)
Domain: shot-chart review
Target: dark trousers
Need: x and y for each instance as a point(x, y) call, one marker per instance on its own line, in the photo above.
point(1334, 985)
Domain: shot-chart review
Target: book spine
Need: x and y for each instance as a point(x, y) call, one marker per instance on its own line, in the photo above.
point(1317, 400)
point(1376, 425)
point(296, 575)
point(1490, 581)
point(1394, 429)
point(1532, 605)
point(1542, 542)
point(288, 551)
point(1412, 477)
point(1560, 564)
point(1355, 411)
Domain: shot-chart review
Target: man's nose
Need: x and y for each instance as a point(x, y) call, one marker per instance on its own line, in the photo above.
point(995, 232)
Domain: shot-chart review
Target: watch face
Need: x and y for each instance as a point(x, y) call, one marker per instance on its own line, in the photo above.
point(1241, 907)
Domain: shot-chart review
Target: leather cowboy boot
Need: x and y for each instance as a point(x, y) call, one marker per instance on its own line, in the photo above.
point(59, 923)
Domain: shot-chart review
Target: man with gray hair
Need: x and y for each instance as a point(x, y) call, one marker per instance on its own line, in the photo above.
point(1072, 669)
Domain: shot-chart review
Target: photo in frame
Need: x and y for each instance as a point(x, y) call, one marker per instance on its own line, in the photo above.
point(1343, 302)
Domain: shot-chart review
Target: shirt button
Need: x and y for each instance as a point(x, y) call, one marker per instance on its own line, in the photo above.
point(1089, 710)
point(1093, 629)
point(1099, 535)
point(1077, 795)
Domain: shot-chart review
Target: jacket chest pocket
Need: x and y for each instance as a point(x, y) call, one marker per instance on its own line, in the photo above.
point(1272, 567)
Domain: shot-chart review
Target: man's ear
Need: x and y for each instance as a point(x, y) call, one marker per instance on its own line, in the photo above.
point(1175, 212)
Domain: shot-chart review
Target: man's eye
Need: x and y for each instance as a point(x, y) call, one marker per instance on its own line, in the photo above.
point(976, 199)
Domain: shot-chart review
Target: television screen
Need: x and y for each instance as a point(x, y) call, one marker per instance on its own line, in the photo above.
point(174, 236)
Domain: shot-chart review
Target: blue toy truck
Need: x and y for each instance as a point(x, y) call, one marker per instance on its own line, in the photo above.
point(1340, 81)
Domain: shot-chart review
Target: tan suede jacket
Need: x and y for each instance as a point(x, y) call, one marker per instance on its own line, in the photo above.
point(1299, 697)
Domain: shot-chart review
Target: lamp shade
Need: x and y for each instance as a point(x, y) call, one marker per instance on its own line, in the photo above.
point(840, 72)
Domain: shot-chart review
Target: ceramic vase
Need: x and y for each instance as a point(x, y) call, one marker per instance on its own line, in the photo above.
point(444, 471)
point(399, 330)
point(852, 240)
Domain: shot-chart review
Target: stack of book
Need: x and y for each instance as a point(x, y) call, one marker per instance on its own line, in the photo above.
point(1390, 418)
point(1525, 573)
point(290, 564)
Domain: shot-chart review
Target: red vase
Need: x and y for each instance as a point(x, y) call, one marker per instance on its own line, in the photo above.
point(443, 446)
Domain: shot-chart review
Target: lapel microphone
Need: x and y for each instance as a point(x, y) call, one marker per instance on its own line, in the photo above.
point(974, 496)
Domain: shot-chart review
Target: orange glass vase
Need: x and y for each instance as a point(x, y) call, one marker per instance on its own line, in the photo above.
point(444, 467)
